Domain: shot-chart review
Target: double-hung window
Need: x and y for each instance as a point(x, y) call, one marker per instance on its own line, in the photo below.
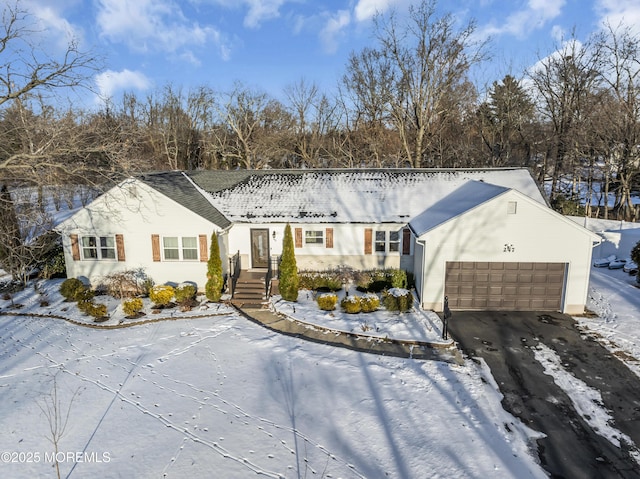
point(387, 242)
point(180, 248)
point(98, 247)
point(314, 237)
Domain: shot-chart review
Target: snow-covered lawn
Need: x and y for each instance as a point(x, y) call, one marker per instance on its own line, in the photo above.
point(220, 396)
point(214, 395)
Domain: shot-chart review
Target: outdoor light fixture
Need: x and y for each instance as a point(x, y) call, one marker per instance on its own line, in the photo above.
point(273, 235)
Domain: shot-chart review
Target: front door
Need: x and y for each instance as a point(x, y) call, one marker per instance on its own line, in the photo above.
point(259, 248)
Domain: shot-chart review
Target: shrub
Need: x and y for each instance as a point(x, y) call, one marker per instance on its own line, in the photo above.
point(215, 280)
point(369, 303)
point(162, 294)
point(397, 299)
point(85, 300)
point(185, 292)
point(97, 310)
point(376, 281)
point(54, 264)
point(127, 284)
point(351, 304)
point(132, 307)
point(327, 302)
point(71, 288)
point(320, 280)
point(397, 278)
point(288, 268)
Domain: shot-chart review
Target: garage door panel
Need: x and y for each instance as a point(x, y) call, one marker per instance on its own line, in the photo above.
point(505, 285)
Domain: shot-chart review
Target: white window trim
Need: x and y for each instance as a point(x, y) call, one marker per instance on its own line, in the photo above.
point(319, 236)
point(180, 249)
point(387, 242)
point(99, 248)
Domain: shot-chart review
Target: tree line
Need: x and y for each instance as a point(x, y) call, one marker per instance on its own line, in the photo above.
point(407, 101)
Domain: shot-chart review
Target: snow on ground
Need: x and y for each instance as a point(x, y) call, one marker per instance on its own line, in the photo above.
point(221, 396)
point(417, 325)
point(614, 297)
point(586, 400)
point(211, 393)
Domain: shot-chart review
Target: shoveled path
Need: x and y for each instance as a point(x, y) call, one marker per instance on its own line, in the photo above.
point(357, 342)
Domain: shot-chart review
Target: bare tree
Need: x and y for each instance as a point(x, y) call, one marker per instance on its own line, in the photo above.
point(28, 70)
point(246, 116)
point(565, 84)
point(429, 57)
point(620, 130)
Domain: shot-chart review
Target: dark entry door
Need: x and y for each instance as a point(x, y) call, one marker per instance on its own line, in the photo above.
point(259, 248)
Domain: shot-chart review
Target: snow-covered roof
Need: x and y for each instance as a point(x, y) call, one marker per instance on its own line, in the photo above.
point(465, 198)
point(346, 196)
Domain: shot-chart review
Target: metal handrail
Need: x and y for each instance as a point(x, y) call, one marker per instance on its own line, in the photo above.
point(234, 271)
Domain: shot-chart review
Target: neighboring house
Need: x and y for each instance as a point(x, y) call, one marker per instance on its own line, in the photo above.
point(486, 239)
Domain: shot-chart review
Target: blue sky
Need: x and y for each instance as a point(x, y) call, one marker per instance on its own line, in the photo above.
point(269, 44)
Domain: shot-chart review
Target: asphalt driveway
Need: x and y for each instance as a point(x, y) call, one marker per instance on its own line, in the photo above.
point(572, 448)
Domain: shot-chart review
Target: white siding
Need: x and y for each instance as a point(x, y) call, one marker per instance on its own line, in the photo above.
point(347, 250)
point(137, 211)
point(489, 233)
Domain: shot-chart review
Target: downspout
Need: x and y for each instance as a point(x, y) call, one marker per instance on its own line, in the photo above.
point(423, 270)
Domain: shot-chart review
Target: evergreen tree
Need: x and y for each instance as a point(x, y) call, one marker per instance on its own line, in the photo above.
point(213, 288)
point(288, 268)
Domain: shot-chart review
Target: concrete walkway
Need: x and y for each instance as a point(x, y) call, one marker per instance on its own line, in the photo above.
point(357, 342)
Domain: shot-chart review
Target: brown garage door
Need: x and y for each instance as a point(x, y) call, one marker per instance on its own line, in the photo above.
point(504, 286)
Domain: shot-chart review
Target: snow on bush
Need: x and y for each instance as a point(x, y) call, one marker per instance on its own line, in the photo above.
point(397, 299)
point(161, 294)
point(327, 301)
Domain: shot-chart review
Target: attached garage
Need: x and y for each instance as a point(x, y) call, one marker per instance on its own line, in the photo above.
point(486, 247)
point(510, 286)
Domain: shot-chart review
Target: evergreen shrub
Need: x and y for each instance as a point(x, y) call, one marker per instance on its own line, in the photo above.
point(185, 292)
point(71, 288)
point(397, 299)
point(289, 282)
point(369, 303)
point(161, 294)
point(215, 279)
point(351, 304)
point(132, 307)
point(327, 301)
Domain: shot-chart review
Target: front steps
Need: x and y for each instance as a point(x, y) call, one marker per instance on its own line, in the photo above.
point(250, 290)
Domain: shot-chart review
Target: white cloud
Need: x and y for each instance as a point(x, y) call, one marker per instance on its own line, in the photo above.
point(151, 25)
point(333, 29)
point(261, 10)
point(617, 12)
point(258, 11)
point(109, 81)
point(367, 9)
point(55, 29)
point(535, 15)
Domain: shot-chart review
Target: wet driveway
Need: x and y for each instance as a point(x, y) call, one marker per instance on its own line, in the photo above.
point(572, 448)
